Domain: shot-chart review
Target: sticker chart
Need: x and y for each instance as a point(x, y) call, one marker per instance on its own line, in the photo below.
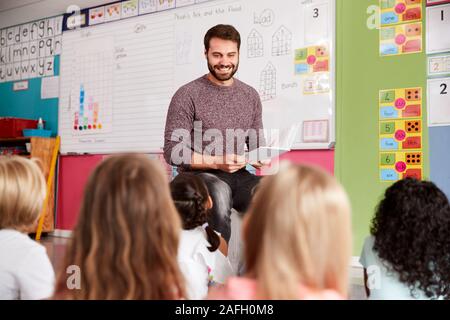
point(400, 134)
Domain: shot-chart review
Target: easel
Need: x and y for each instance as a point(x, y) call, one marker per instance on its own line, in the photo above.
point(49, 187)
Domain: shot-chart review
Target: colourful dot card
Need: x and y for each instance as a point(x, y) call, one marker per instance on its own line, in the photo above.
point(400, 11)
point(400, 165)
point(312, 60)
point(404, 103)
point(401, 39)
point(397, 135)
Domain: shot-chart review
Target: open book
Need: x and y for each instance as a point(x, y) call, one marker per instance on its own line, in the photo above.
point(278, 142)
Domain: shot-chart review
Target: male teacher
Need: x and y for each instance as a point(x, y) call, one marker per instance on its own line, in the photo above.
point(211, 122)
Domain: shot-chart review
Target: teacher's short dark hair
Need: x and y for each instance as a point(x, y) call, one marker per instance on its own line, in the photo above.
point(224, 32)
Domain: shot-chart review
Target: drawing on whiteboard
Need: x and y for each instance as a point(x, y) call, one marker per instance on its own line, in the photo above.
point(265, 19)
point(138, 28)
point(281, 42)
point(91, 93)
point(255, 46)
point(183, 48)
point(86, 118)
point(268, 83)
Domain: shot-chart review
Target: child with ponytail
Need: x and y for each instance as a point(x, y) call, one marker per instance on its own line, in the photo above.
point(202, 253)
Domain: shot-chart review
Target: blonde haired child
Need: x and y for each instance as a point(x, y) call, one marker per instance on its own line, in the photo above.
point(25, 269)
point(297, 239)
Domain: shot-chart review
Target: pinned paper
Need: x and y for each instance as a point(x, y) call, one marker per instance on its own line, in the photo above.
point(316, 83)
point(130, 8)
point(315, 131)
point(400, 11)
point(311, 60)
point(439, 65)
point(165, 4)
point(112, 12)
point(96, 15)
point(147, 6)
point(404, 103)
point(50, 87)
point(399, 165)
point(401, 39)
point(401, 135)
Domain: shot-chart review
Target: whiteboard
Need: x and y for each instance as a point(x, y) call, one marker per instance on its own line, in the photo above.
point(119, 77)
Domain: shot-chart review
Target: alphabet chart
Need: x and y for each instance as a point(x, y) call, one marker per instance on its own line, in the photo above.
point(27, 51)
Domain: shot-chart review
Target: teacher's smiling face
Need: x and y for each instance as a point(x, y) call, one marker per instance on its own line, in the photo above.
point(223, 60)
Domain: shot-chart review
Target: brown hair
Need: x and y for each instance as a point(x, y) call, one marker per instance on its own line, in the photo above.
point(224, 32)
point(300, 234)
point(126, 239)
point(22, 192)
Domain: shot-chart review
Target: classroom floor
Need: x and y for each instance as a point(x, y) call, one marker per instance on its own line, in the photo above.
point(56, 247)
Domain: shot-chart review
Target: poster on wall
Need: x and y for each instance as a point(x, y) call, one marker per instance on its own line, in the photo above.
point(400, 134)
point(401, 39)
point(28, 50)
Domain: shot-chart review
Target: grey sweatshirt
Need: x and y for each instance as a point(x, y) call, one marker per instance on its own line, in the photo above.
point(200, 106)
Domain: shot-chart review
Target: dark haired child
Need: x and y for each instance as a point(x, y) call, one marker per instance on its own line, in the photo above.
point(202, 252)
point(407, 255)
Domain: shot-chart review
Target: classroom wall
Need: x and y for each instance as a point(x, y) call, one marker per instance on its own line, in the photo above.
point(361, 73)
point(440, 158)
point(28, 103)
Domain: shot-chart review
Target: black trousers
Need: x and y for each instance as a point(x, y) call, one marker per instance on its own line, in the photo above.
point(228, 190)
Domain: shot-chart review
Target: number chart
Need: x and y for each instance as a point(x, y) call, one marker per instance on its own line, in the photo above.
point(400, 134)
point(439, 102)
point(399, 11)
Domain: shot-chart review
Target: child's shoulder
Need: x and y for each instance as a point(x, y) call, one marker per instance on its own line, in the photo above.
point(18, 243)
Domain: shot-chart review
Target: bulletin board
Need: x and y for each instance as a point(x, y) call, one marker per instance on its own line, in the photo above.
point(117, 78)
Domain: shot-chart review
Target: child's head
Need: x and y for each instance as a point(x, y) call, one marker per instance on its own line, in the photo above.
point(298, 232)
point(126, 238)
point(411, 227)
point(193, 202)
point(22, 192)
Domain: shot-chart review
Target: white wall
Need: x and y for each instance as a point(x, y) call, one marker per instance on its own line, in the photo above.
point(25, 11)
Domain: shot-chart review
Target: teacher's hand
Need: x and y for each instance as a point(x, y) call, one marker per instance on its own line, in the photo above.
point(260, 164)
point(232, 163)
